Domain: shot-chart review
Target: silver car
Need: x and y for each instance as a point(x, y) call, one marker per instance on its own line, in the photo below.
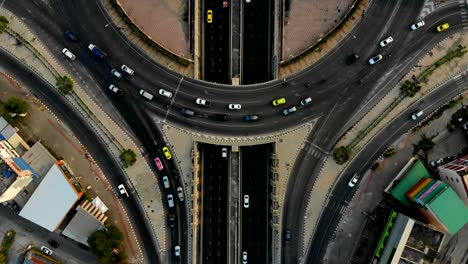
point(165, 93)
point(375, 59)
point(68, 53)
point(116, 73)
point(128, 70)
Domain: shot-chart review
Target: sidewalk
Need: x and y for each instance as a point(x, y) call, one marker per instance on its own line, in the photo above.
point(141, 178)
point(331, 171)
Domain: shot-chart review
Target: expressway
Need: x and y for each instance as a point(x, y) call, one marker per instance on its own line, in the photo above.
point(338, 101)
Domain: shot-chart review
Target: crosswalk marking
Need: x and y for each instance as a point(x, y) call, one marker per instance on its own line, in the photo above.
point(314, 151)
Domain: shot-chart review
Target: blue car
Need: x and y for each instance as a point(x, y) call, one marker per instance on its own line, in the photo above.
point(251, 117)
point(71, 36)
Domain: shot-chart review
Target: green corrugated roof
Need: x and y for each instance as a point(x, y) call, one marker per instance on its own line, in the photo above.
point(450, 210)
point(414, 174)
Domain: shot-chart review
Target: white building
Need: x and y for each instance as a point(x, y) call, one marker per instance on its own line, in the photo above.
point(455, 174)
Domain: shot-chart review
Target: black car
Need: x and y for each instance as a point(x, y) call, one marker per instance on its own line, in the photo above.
point(287, 235)
point(53, 243)
point(220, 117)
point(174, 174)
point(71, 36)
point(171, 220)
point(352, 59)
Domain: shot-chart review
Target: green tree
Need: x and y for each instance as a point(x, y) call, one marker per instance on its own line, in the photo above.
point(3, 23)
point(426, 143)
point(107, 245)
point(389, 152)
point(15, 106)
point(341, 154)
point(65, 84)
point(409, 89)
point(375, 166)
point(3, 258)
point(128, 157)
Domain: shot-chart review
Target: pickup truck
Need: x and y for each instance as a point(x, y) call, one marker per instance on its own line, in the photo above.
point(96, 51)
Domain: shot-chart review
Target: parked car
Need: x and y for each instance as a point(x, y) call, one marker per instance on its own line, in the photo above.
point(165, 93)
point(375, 59)
point(202, 102)
point(158, 163)
point(437, 163)
point(116, 73)
point(47, 250)
point(353, 180)
point(167, 153)
point(443, 27)
point(122, 190)
point(417, 25)
point(234, 106)
point(417, 115)
point(290, 110)
point(53, 243)
point(127, 69)
point(115, 89)
point(68, 54)
point(352, 59)
point(386, 41)
point(306, 101)
point(246, 201)
point(180, 193)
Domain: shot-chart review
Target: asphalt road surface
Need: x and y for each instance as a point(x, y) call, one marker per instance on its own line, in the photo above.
point(216, 42)
point(214, 202)
point(255, 182)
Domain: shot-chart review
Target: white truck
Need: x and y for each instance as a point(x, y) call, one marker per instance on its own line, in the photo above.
point(146, 95)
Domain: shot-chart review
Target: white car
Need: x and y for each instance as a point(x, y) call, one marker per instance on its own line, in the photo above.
point(177, 251)
point(115, 89)
point(375, 59)
point(235, 106)
point(165, 93)
point(417, 25)
point(116, 73)
point(224, 152)
point(353, 180)
point(180, 193)
point(244, 257)
point(287, 111)
point(203, 102)
point(386, 41)
point(417, 115)
point(122, 190)
point(170, 200)
point(306, 101)
point(166, 182)
point(246, 201)
point(436, 163)
point(126, 69)
point(68, 53)
point(47, 250)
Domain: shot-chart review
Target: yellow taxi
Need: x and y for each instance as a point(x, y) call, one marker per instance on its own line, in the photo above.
point(443, 27)
point(167, 153)
point(279, 101)
point(209, 16)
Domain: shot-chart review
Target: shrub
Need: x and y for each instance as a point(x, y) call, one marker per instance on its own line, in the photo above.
point(65, 84)
point(3, 23)
point(128, 157)
point(375, 166)
point(389, 152)
point(341, 155)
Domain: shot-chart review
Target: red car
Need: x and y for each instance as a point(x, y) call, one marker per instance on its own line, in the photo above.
point(158, 163)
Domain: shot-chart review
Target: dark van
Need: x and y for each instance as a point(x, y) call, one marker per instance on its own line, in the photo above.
point(187, 112)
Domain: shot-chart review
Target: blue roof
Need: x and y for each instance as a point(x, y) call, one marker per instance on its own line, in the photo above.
point(2, 137)
point(23, 165)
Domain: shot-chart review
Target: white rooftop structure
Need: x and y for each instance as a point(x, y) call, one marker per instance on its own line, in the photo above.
point(51, 201)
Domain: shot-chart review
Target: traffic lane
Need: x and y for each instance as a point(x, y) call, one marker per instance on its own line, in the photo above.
point(217, 44)
point(57, 103)
point(256, 43)
point(214, 205)
point(377, 146)
point(255, 221)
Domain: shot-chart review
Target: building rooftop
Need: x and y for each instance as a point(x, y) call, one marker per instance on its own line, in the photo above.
point(412, 177)
point(450, 210)
point(56, 194)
